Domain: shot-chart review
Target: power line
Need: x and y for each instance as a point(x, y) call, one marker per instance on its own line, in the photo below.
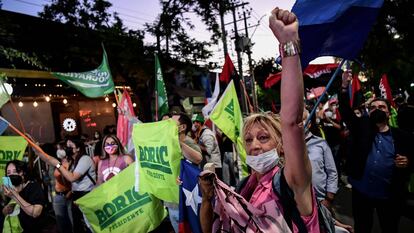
point(29, 3)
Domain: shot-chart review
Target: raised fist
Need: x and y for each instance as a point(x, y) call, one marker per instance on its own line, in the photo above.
point(284, 25)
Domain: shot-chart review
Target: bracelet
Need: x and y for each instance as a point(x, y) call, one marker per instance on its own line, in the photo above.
point(289, 49)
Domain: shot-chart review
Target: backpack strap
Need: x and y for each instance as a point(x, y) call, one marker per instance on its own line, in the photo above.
point(287, 199)
point(88, 175)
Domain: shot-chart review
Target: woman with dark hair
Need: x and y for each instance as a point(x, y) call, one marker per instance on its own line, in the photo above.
point(26, 196)
point(113, 159)
point(82, 176)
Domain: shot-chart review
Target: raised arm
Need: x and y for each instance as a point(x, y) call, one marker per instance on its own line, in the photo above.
point(298, 173)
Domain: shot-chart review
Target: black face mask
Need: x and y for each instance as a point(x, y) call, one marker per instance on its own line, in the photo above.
point(378, 116)
point(16, 180)
point(69, 152)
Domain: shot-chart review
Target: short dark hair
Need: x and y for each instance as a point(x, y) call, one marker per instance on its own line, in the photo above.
point(184, 120)
point(383, 100)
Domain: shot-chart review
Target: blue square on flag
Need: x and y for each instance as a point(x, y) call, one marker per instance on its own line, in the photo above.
point(190, 199)
point(3, 125)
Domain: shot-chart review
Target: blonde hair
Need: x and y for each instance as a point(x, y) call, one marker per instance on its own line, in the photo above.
point(269, 121)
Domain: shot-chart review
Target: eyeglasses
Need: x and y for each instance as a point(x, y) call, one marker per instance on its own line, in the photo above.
point(111, 144)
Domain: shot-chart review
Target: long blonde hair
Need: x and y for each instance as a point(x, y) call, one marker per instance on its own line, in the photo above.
point(269, 121)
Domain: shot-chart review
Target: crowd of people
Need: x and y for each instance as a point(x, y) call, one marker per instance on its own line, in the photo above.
point(295, 167)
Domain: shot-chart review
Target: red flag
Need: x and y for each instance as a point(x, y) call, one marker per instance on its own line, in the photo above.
point(385, 89)
point(272, 79)
point(356, 87)
point(124, 128)
point(228, 70)
point(315, 71)
point(312, 71)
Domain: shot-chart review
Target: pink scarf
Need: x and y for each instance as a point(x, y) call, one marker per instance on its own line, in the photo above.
point(234, 214)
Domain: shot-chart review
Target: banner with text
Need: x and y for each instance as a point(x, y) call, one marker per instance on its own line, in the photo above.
point(158, 154)
point(11, 148)
point(114, 206)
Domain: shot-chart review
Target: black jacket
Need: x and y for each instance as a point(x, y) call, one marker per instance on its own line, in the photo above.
point(363, 133)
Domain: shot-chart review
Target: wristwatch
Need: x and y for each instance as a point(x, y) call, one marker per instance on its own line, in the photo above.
point(58, 165)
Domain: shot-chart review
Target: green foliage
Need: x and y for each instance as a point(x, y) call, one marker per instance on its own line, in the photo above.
point(14, 55)
point(389, 48)
point(83, 13)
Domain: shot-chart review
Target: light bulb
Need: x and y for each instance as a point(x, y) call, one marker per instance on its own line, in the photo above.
point(47, 98)
point(134, 105)
point(20, 104)
point(114, 105)
point(65, 101)
point(106, 99)
point(35, 104)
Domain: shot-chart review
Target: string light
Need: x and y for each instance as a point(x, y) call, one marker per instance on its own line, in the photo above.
point(65, 101)
point(134, 105)
point(20, 104)
point(47, 98)
point(106, 99)
point(35, 104)
point(114, 105)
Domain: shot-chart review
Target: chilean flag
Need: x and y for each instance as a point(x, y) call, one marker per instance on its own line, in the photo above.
point(385, 89)
point(334, 28)
point(190, 199)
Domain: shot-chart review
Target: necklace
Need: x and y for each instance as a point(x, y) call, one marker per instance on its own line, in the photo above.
point(111, 171)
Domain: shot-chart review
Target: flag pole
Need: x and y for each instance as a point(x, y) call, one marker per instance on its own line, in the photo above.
point(324, 92)
point(156, 105)
point(26, 138)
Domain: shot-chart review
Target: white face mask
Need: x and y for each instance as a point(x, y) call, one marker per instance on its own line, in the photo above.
point(264, 162)
point(60, 153)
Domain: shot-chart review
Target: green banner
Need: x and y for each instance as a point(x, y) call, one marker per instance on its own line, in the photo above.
point(228, 118)
point(4, 93)
point(160, 90)
point(94, 83)
point(158, 155)
point(11, 148)
point(114, 206)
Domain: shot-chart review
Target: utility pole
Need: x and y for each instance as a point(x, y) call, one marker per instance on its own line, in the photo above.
point(239, 58)
point(249, 56)
point(223, 29)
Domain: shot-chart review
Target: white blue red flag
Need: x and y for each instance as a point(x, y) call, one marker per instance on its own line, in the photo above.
point(334, 28)
point(190, 199)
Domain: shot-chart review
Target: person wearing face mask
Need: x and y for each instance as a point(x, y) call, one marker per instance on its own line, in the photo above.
point(379, 163)
point(27, 198)
point(81, 174)
point(62, 204)
point(113, 159)
point(275, 145)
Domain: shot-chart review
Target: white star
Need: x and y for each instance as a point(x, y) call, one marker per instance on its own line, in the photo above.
point(192, 198)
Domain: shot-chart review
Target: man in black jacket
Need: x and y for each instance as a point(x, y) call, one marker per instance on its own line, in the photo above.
point(379, 163)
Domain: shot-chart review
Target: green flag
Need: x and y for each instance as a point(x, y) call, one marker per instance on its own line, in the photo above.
point(114, 206)
point(4, 93)
point(161, 93)
point(94, 83)
point(228, 118)
point(158, 155)
point(11, 148)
